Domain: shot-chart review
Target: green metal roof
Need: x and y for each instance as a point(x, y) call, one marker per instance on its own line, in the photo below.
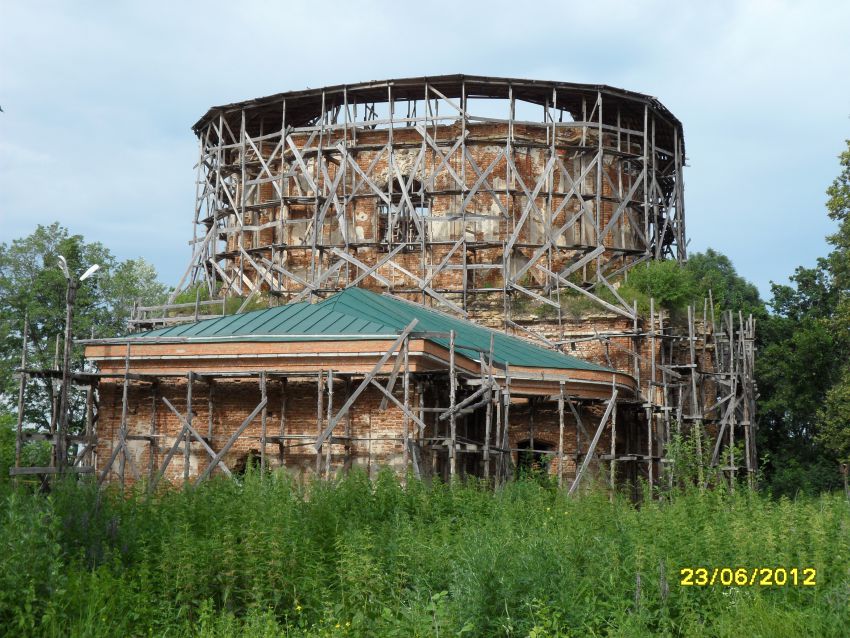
point(355, 313)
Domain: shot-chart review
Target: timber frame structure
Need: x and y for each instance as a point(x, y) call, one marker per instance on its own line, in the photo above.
point(461, 403)
point(500, 201)
point(454, 191)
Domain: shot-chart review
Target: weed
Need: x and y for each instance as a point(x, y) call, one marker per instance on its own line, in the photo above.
point(271, 556)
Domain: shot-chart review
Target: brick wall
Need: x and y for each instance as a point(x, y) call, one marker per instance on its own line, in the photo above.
point(368, 437)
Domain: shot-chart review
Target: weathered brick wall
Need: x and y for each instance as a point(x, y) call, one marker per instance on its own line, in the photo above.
point(537, 427)
point(375, 434)
point(485, 143)
point(369, 437)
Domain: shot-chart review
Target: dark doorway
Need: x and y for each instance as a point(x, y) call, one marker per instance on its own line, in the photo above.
point(533, 461)
point(251, 459)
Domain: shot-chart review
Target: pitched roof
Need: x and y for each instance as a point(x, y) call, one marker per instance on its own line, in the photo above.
point(355, 313)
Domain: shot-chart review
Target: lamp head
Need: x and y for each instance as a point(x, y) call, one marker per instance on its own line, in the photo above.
point(92, 270)
point(63, 265)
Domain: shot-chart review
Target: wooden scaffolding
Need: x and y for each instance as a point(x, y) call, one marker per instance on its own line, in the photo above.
point(474, 195)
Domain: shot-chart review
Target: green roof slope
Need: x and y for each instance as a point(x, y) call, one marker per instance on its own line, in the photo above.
point(358, 314)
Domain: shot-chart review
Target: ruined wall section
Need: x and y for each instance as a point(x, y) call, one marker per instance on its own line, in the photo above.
point(368, 438)
point(428, 209)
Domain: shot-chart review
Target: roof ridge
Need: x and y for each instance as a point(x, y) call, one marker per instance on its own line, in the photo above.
point(357, 312)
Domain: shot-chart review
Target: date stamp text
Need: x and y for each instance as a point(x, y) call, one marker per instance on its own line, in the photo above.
point(748, 576)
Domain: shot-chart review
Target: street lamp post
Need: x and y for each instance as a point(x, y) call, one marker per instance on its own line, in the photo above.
point(70, 298)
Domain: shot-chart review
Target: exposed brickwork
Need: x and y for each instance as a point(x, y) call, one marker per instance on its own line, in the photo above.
point(369, 437)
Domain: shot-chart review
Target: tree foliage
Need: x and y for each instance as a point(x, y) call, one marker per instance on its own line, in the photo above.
point(673, 286)
point(33, 286)
point(804, 366)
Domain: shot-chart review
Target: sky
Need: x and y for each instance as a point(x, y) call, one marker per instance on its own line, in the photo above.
point(99, 98)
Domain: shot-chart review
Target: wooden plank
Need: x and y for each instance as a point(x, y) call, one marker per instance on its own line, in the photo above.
point(586, 461)
point(195, 434)
point(74, 469)
point(395, 345)
point(224, 450)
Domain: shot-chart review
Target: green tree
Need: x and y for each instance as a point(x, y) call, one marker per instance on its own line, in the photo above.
point(674, 285)
point(802, 370)
point(32, 285)
point(714, 271)
point(834, 415)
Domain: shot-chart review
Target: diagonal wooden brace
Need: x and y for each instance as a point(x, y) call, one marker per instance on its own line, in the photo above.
point(344, 409)
point(224, 450)
point(195, 434)
point(171, 452)
point(409, 413)
point(485, 387)
point(391, 382)
point(611, 403)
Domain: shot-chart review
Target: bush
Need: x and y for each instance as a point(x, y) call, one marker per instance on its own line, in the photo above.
point(272, 556)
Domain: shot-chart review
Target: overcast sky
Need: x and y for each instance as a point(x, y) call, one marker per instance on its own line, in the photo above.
point(99, 97)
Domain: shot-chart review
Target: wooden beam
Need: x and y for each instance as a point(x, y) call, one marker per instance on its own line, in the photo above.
point(187, 425)
point(586, 461)
point(395, 345)
point(224, 450)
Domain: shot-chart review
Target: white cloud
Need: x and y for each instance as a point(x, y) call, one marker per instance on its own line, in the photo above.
point(99, 98)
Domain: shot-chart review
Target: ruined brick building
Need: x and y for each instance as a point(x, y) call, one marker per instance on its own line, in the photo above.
point(441, 259)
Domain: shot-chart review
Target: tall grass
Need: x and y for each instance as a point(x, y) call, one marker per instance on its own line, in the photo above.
point(277, 557)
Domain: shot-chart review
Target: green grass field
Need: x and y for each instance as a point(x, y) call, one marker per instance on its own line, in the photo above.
point(274, 557)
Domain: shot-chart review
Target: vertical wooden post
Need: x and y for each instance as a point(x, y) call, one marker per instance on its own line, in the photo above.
point(319, 414)
point(54, 402)
point(122, 435)
point(330, 416)
point(561, 433)
point(613, 464)
point(488, 379)
point(210, 408)
point(61, 438)
point(452, 417)
point(154, 445)
point(282, 433)
point(733, 371)
point(420, 432)
point(505, 444)
point(187, 450)
point(696, 409)
point(348, 426)
point(263, 416)
point(498, 402)
point(406, 418)
point(19, 433)
point(89, 429)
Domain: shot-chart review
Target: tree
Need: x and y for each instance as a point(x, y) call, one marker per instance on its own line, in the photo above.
point(673, 286)
point(32, 286)
point(714, 271)
point(834, 415)
point(803, 369)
